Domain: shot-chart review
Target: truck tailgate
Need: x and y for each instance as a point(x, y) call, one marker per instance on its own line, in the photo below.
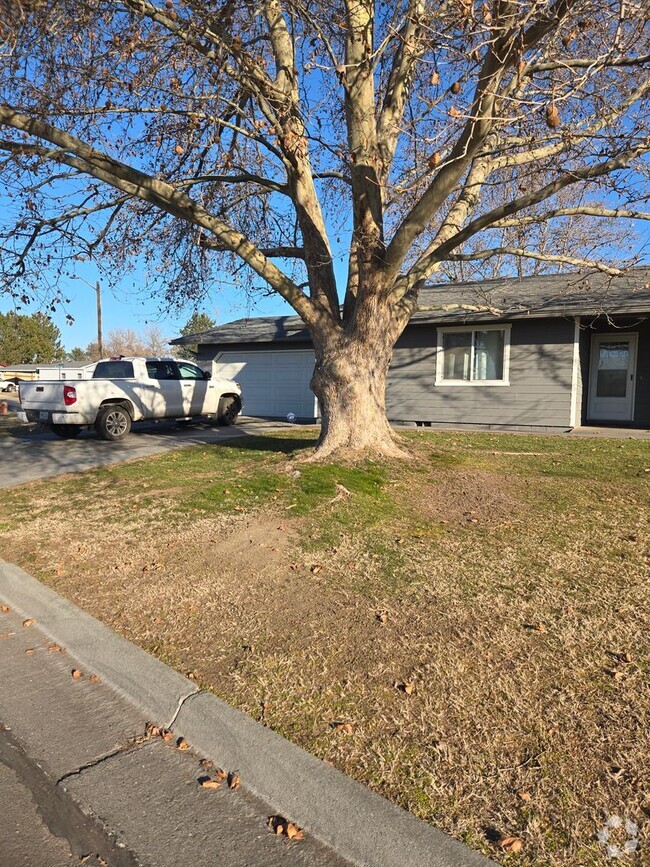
point(42, 395)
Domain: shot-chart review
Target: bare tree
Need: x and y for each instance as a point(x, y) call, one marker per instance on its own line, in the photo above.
point(126, 341)
point(278, 138)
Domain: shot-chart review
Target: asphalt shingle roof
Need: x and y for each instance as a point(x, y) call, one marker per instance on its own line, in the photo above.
point(579, 293)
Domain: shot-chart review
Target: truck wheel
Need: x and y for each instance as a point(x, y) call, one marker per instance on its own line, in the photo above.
point(228, 411)
point(113, 423)
point(66, 431)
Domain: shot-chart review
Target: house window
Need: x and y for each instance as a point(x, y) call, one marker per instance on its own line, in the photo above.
point(473, 356)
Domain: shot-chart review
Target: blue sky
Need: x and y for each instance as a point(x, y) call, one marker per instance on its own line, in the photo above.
point(126, 306)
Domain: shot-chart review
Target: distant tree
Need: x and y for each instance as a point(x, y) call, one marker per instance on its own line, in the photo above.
point(82, 356)
point(126, 341)
point(29, 339)
point(197, 323)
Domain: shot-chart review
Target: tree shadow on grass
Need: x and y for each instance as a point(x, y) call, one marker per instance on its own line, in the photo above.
point(286, 445)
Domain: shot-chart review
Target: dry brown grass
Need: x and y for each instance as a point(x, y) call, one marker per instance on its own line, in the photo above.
point(511, 576)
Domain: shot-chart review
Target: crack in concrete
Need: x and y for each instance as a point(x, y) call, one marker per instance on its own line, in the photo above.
point(131, 744)
point(181, 703)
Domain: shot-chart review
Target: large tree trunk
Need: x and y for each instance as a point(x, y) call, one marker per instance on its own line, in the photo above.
point(350, 383)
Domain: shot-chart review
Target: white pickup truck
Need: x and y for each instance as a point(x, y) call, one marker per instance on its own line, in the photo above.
point(124, 390)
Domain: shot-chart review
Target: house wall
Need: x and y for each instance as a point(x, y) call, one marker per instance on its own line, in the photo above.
point(620, 325)
point(539, 394)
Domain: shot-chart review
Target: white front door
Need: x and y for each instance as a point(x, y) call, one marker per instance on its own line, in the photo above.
point(612, 377)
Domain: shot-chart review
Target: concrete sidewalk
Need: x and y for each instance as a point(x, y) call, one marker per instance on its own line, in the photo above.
point(116, 791)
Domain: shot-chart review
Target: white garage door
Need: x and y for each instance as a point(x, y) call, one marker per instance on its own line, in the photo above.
point(272, 383)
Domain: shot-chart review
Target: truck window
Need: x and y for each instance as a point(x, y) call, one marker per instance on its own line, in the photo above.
point(113, 370)
point(190, 371)
point(162, 370)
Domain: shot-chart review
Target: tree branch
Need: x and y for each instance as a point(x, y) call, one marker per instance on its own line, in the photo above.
point(420, 271)
point(80, 155)
point(583, 210)
point(531, 254)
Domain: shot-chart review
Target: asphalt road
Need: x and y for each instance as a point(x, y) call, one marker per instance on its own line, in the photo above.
point(25, 839)
point(28, 455)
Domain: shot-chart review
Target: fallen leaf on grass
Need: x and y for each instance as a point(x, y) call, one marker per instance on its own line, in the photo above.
point(346, 728)
point(208, 783)
point(524, 796)
point(282, 827)
point(28, 622)
point(408, 687)
point(5, 608)
point(182, 744)
point(76, 674)
point(511, 844)
point(233, 781)
point(316, 568)
point(382, 617)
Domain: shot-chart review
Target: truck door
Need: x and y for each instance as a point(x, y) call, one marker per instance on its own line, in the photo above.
point(196, 389)
point(165, 395)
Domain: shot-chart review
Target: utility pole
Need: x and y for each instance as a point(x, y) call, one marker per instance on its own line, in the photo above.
point(100, 347)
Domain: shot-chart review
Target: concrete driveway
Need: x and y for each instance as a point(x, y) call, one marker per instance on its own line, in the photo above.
point(28, 455)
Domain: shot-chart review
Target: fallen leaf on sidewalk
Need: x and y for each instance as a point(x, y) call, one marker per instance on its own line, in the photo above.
point(182, 744)
point(152, 730)
point(5, 608)
point(28, 622)
point(233, 781)
point(6, 634)
point(168, 736)
point(95, 678)
point(55, 648)
point(282, 827)
point(30, 650)
point(76, 674)
point(208, 783)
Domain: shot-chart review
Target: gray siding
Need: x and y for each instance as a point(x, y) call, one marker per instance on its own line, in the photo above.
point(539, 394)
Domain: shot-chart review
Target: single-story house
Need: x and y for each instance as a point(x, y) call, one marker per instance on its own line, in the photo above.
point(545, 352)
point(62, 370)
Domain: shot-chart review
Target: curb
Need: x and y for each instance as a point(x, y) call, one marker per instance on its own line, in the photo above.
point(357, 824)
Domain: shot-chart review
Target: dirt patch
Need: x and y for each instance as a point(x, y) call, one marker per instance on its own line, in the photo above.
point(475, 497)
